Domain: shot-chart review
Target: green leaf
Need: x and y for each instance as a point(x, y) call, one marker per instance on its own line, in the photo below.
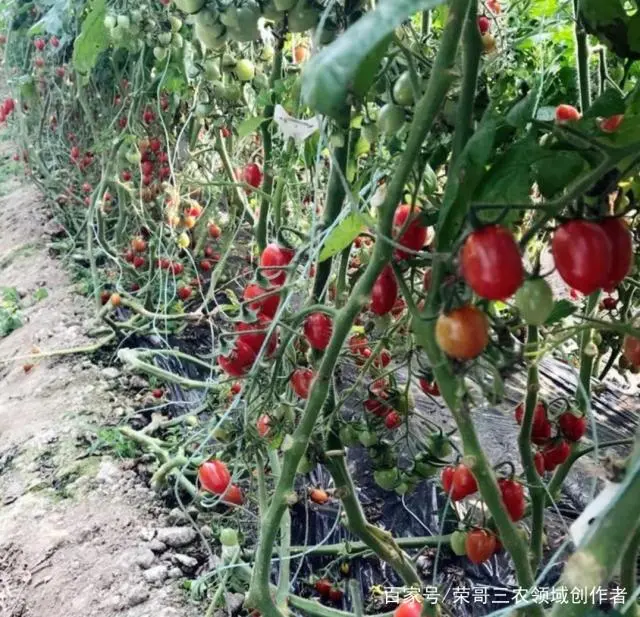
point(93, 38)
point(522, 112)
point(339, 69)
point(544, 8)
point(556, 170)
point(609, 103)
point(560, 310)
point(342, 235)
point(250, 125)
point(367, 70)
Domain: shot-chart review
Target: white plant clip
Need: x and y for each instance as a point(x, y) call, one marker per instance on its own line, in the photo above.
point(299, 130)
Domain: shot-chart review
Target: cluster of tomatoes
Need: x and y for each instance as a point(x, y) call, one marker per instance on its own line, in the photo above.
point(215, 478)
point(328, 591)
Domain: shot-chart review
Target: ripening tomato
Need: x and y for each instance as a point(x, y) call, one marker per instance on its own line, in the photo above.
point(567, 113)
point(555, 454)
point(263, 425)
point(408, 608)
point(491, 263)
point(582, 253)
point(480, 545)
point(572, 427)
point(239, 360)
point(384, 292)
point(233, 496)
point(138, 244)
point(513, 498)
point(266, 305)
point(214, 230)
point(622, 251)
point(318, 328)
point(611, 124)
point(483, 24)
point(463, 333)
point(319, 496)
point(214, 476)
point(301, 381)
point(414, 235)
point(631, 350)
point(429, 387)
point(300, 54)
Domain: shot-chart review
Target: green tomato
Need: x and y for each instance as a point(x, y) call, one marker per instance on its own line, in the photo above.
point(260, 81)
point(233, 93)
point(348, 435)
point(458, 543)
point(228, 536)
point(403, 488)
point(425, 470)
point(212, 37)
point(245, 70)
point(164, 38)
point(367, 439)
point(109, 22)
point(390, 119)
point(386, 479)
point(177, 41)
point(119, 33)
point(134, 157)
point(439, 445)
point(534, 300)
point(176, 23)
point(124, 21)
point(189, 6)
point(212, 70)
point(370, 132)
point(305, 465)
point(136, 16)
point(402, 90)
point(160, 53)
point(267, 53)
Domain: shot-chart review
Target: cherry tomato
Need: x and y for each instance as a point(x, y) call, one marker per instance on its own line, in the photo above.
point(233, 496)
point(214, 476)
point(138, 244)
point(408, 608)
point(184, 292)
point(491, 262)
point(582, 253)
point(622, 251)
point(541, 432)
point(323, 587)
point(631, 350)
point(376, 405)
point(480, 545)
point(239, 360)
point(336, 594)
point(273, 256)
point(256, 333)
point(488, 43)
point(567, 113)
point(414, 235)
point(429, 387)
point(251, 174)
point(458, 482)
point(483, 24)
point(393, 420)
point(267, 305)
point(458, 542)
point(318, 328)
point(384, 292)
point(391, 119)
point(555, 454)
point(463, 333)
point(383, 359)
point(572, 427)
point(357, 343)
point(263, 425)
point(609, 303)
point(534, 301)
point(319, 496)
point(403, 90)
point(301, 381)
point(512, 498)
point(611, 124)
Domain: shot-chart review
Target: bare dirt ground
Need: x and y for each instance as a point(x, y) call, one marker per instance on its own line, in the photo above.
point(79, 533)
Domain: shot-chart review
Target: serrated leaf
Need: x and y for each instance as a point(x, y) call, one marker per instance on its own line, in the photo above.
point(342, 235)
point(347, 65)
point(93, 38)
point(561, 309)
point(250, 125)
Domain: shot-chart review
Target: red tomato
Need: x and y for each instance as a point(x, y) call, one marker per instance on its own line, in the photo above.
point(429, 387)
point(484, 24)
point(622, 251)
point(611, 124)
point(263, 425)
point(256, 333)
point(214, 230)
point(572, 427)
point(541, 432)
point(463, 333)
point(513, 498)
point(383, 359)
point(538, 461)
point(236, 388)
point(267, 305)
point(252, 175)
point(273, 256)
point(323, 586)
point(480, 545)
point(336, 594)
point(408, 608)
point(567, 113)
point(458, 482)
point(318, 328)
point(184, 292)
point(393, 420)
point(157, 393)
point(582, 253)
point(233, 496)
point(384, 292)
point(301, 381)
point(491, 262)
point(376, 405)
point(609, 303)
point(556, 454)
point(414, 235)
point(631, 350)
point(214, 476)
point(357, 343)
point(239, 360)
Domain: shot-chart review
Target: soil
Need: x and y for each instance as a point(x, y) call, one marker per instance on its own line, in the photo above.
point(76, 526)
